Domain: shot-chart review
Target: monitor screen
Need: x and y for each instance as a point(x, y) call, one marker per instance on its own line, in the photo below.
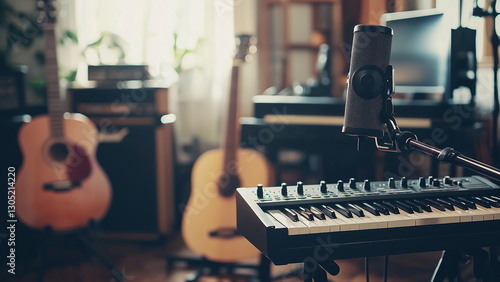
point(420, 51)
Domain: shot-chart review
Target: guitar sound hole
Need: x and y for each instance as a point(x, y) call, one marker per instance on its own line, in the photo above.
point(59, 152)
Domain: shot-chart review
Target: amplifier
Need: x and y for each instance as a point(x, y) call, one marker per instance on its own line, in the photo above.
point(136, 152)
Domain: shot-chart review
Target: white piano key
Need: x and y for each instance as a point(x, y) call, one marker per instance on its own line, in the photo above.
point(345, 224)
point(294, 227)
point(379, 221)
point(448, 217)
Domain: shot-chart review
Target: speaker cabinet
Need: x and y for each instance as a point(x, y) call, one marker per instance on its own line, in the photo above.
point(136, 152)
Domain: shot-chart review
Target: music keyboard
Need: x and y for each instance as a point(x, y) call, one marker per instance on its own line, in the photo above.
point(290, 223)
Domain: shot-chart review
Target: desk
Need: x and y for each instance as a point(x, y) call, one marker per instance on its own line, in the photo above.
point(313, 126)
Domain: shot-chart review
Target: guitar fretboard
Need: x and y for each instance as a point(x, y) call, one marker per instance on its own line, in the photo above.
point(55, 106)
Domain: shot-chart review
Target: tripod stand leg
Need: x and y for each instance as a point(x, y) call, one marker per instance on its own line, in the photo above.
point(447, 267)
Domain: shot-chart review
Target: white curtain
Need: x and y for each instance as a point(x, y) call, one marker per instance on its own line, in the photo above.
point(146, 30)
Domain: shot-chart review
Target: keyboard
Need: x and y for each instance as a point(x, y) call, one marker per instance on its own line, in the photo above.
point(348, 219)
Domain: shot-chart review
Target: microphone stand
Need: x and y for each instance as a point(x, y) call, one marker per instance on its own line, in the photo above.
point(395, 140)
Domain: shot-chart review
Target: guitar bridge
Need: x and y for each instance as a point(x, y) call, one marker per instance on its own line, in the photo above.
point(62, 185)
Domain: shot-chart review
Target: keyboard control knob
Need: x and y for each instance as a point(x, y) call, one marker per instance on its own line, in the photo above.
point(322, 187)
point(421, 182)
point(448, 180)
point(284, 189)
point(404, 182)
point(260, 191)
point(300, 188)
point(391, 182)
point(429, 180)
point(366, 185)
point(352, 183)
point(340, 185)
point(436, 183)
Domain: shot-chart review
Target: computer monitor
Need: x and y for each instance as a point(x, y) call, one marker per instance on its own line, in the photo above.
point(420, 51)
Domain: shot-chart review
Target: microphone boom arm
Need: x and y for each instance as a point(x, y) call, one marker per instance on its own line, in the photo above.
point(395, 140)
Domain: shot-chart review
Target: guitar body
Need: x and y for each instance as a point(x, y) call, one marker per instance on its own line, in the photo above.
point(60, 183)
point(208, 212)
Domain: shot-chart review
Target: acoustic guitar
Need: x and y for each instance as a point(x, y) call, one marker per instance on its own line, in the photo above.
point(60, 183)
point(209, 220)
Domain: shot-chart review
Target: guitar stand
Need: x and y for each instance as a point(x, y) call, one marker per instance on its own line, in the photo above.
point(87, 246)
point(208, 267)
point(449, 265)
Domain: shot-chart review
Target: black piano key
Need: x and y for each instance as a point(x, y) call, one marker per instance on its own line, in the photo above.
point(304, 213)
point(457, 203)
point(434, 204)
point(480, 202)
point(493, 202)
point(470, 204)
point(445, 204)
point(413, 206)
point(390, 207)
point(380, 208)
point(291, 214)
point(342, 210)
point(495, 198)
point(355, 210)
point(329, 211)
point(423, 205)
point(317, 213)
point(403, 206)
point(369, 208)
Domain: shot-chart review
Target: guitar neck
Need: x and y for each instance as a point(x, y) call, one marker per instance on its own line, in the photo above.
point(231, 144)
point(55, 107)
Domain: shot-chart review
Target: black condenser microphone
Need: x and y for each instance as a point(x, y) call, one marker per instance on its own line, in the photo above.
point(369, 81)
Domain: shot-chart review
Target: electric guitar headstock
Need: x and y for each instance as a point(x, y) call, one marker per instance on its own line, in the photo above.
point(246, 45)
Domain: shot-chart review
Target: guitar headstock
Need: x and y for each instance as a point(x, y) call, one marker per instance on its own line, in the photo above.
point(46, 11)
point(246, 45)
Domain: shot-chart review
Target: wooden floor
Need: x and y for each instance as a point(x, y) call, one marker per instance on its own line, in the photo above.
point(147, 262)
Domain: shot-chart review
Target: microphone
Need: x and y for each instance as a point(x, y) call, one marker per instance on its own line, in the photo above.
point(369, 82)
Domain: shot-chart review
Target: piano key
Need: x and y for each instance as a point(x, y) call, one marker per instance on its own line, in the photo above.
point(445, 204)
point(342, 210)
point(488, 213)
point(470, 204)
point(457, 203)
point(315, 226)
point(480, 202)
point(355, 210)
point(291, 214)
point(304, 213)
point(369, 208)
point(317, 213)
point(491, 201)
point(380, 208)
point(413, 206)
point(434, 204)
point(495, 198)
point(390, 207)
point(442, 217)
point(402, 219)
point(342, 223)
point(402, 206)
point(423, 205)
point(329, 211)
point(293, 227)
point(372, 222)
